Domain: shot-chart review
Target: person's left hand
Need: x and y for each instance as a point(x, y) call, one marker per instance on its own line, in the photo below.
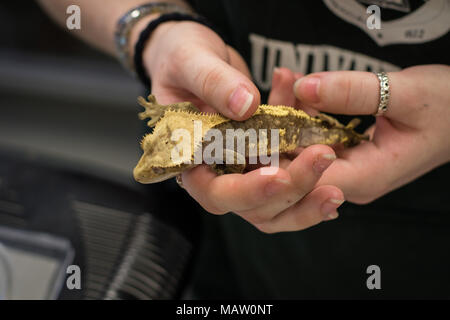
point(286, 200)
point(411, 138)
point(408, 141)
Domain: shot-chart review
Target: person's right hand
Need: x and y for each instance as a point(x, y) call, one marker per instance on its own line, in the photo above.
point(189, 62)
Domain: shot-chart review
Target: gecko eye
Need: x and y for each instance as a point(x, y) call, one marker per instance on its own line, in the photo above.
point(157, 170)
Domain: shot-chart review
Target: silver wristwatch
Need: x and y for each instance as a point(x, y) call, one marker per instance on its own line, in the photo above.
point(129, 19)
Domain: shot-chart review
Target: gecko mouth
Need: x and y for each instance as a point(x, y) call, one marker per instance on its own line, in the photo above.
point(146, 178)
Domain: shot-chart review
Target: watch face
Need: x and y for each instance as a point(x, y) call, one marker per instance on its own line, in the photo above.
point(402, 21)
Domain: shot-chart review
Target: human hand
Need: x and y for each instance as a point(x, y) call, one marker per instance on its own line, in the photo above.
point(189, 62)
point(408, 141)
point(286, 201)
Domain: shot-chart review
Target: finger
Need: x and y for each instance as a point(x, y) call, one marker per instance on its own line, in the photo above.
point(169, 95)
point(298, 75)
point(364, 172)
point(285, 160)
point(234, 192)
point(319, 205)
point(307, 168)
point(281, 94)
point(354, 92)
point(219, 85)
point(304, 171)
point(298, 105)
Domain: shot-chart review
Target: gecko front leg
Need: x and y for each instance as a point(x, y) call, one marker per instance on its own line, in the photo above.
point(155, 111)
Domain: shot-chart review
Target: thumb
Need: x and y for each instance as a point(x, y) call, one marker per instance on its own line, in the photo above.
point(358, 93)
point(220, 85)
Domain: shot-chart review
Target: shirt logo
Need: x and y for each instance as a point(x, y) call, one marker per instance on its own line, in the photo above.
point(399, 5)
point(428, 21)
point(270, 53)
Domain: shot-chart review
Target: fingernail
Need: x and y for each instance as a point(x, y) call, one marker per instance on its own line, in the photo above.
point(307, 88)
point(275, 186)
point(240, 101)
point(328, 209)
point(323, 162)
point(276, 77)
point(332, 216)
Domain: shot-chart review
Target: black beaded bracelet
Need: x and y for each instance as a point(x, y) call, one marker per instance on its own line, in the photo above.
point(145, 35)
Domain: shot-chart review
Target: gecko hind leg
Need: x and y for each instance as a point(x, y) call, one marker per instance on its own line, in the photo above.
point(353, 123)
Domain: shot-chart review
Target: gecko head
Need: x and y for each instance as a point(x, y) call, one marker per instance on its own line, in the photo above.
point(150, 167)
point(151, 174)
point(156, 163)
point(145, 172)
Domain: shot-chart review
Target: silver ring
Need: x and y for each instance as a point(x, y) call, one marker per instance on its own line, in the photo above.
point(385, 94)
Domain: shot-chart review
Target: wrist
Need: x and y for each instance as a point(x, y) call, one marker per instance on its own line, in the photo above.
point(137, 16)
point(154, 44)
point(137, 29)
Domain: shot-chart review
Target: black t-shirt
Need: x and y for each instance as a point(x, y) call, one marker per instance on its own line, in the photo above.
point(407, 232)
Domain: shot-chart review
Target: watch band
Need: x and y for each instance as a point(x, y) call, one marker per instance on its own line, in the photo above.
point(129, 19)
point(144, 36)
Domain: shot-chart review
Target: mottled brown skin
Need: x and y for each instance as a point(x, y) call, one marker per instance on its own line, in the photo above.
point(297, 129)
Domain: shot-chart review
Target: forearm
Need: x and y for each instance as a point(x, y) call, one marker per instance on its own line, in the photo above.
point(99, 18)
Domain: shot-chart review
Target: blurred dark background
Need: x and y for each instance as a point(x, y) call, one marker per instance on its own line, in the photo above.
point(69, 137)
point(62, 99)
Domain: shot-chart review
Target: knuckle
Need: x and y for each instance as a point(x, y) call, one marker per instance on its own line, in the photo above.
point(209, 79)
point(213, 204)
point(347, 89)
point(369, 189)
point(175, 65)
point(365, 100)
point(256, 219)
point(217, 201)
point(266, 228)
point(374, 192)
point(181, 55)
point(230, 195)
point(214, 210)
point(349, 92)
